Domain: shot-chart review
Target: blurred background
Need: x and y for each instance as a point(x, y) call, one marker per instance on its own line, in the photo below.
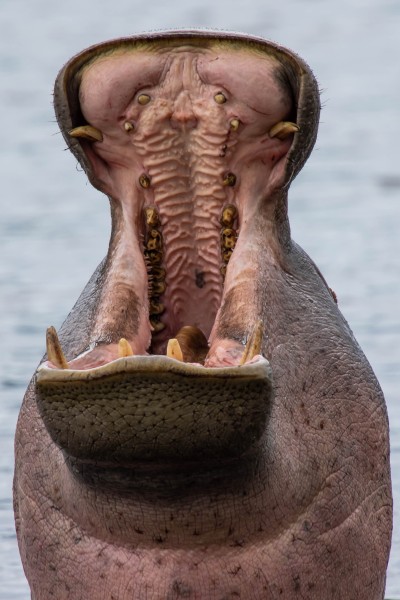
point(344, 206)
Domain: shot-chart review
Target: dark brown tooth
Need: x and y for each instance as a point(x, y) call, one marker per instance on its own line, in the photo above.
point(158, 288)
point(156, 308)
point(155, 240)
point(226, 255)
point(229, 238)
point(154, 257)
point(229, 215)
point(254, 343)
point(158, 272)
point(193, 344)
point(156, 325)
point(144, 181)
point(229, 180)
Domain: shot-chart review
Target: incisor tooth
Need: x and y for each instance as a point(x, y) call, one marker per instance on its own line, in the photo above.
point(87, 132)
point(54, 351)
point(283, 129)
point(124, 348)
point(174, 350)
point(254, 343)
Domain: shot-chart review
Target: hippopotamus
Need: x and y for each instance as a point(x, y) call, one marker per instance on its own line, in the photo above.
point(204, 424)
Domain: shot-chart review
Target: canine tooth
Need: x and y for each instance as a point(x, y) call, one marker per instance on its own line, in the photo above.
point(220, 98)
point(144, 181)
point(174, 350)
point(254, 343)
point(229, 179)
point(124, 348)
point(283, 129)
point(143, 99)
point(234, 124)
point(87, 132)
point(128, 126)
point(54, 350)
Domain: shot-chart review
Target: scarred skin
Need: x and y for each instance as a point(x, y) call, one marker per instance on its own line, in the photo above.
point(280, 491)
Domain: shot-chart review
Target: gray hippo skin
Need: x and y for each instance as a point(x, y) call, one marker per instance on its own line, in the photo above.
point(206, 425)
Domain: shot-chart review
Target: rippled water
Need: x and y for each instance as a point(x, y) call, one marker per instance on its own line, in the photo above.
point(344, 206)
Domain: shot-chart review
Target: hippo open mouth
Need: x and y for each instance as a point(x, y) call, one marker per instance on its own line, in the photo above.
point(192, 156)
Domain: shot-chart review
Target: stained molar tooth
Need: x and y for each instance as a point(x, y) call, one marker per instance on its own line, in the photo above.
point(254, 343)
point(54, 350)
point(226, 255)
point(229, 179)
point(158, 273)
point(154, 256)
point(156, 308)
point(158, 288)
point(144, 181)
point(174, 350)
point(124, 348)
point(128, 126)
point(155, 240)
point(152, 218)
point(283, 129)
point(229, 238)
point(87, 132)
point(228, 216)
point(156, 324)
point(234, 124)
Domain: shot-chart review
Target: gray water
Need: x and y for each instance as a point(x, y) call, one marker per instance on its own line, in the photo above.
point(344, 206)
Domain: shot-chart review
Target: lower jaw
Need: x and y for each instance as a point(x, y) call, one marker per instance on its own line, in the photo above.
point(153, 408)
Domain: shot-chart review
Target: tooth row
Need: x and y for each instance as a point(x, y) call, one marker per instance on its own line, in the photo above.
point(228, 235)
point(153, 253)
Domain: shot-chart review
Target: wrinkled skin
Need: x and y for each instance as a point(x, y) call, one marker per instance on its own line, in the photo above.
point(147, 478)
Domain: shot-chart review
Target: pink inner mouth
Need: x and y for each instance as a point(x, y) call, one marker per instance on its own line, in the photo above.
point(187, 158)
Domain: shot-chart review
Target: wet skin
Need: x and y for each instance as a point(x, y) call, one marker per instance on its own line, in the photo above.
point(210, 427)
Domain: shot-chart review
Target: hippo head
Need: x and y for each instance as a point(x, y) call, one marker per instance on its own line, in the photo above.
point(195, 139)
point(204, 424)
